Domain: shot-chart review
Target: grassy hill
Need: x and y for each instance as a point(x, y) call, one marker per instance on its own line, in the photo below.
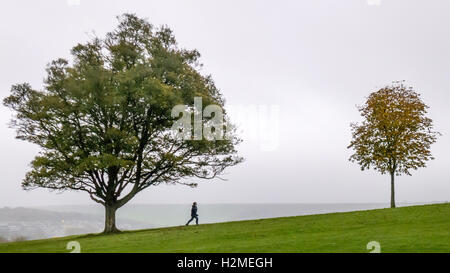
point(407, 229)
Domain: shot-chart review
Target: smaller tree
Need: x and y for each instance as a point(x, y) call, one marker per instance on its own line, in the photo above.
point(395, 135)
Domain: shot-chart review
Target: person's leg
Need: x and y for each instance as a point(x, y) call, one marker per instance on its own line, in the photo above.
point(189, 221)
point(196, 220)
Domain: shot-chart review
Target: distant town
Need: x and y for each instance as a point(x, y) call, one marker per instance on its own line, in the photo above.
point(18, 224)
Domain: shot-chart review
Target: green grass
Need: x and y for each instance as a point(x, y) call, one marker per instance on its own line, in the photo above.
point(407, 229)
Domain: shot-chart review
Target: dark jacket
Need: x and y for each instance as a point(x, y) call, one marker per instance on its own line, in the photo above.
point(194, 211)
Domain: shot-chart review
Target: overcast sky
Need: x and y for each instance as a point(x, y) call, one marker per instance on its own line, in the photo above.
point(314, 60)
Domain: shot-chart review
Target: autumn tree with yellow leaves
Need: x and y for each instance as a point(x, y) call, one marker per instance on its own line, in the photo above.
point(395, 135)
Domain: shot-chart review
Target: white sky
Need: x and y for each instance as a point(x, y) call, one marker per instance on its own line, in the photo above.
point(315, 60)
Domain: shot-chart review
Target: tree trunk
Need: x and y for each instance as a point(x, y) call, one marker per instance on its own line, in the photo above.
point(392, 190)
point(110, 219)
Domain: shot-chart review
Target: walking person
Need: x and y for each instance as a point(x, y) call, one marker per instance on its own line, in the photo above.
point(193, 214)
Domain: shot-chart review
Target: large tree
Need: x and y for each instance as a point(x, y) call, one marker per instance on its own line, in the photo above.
point(395, 135)
point(104, 120)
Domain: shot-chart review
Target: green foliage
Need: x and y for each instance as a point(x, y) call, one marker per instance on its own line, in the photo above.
point(104, 121)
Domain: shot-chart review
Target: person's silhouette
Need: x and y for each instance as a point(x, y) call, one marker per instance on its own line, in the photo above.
point(194, 214)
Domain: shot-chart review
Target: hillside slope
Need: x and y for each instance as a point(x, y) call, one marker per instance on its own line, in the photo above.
point(407, 229)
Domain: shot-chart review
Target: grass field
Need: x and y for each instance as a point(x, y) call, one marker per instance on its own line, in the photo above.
point(407, 229)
